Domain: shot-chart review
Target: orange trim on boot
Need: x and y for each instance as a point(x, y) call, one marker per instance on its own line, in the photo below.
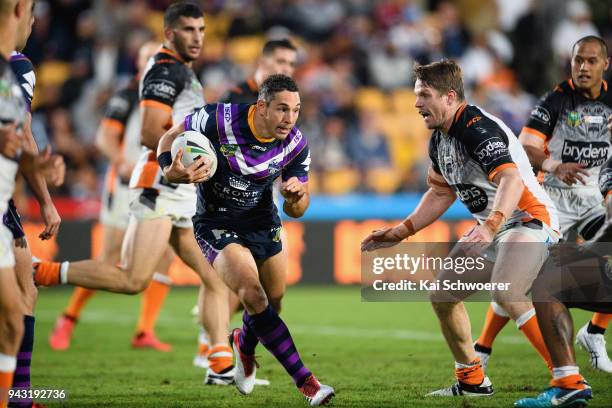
point(601, 320)
point(473, 375)
point(572, 382)
point(220, 358)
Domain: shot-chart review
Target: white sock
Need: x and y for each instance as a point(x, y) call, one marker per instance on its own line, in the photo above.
point(203, 336)
point(560, 372)
point(165, 279)
point(525, 317)
point(461, 365)
point(7, 363)
point(500, 311)
point(64, 272)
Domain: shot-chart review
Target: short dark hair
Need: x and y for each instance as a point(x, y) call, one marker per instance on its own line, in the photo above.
point(181, 9)
point(275, 84)
point(273, 45)
point(595, 39)
point(443, 76)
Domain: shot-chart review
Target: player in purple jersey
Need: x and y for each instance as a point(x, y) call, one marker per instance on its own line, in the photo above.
point(237, 224)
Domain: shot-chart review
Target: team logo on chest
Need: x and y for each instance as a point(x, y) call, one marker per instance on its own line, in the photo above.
point(573, 118)
point(228, 150)
point(274, 166)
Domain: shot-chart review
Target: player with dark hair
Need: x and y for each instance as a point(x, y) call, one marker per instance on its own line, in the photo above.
point(237, 224)
point(566, 138)
point(118, 138)
point(278, 57)
point(161, 211)
point(475, 157)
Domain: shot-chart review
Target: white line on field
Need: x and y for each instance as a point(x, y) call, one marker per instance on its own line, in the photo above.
point(332, 331)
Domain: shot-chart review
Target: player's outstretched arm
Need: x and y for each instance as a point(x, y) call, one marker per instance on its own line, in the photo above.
point(433, 204)
point(297, 198)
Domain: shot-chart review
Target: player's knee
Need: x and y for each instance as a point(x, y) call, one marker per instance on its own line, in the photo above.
point(253, 297)
point(276, 303)
point(11, 323)
point(135, 286)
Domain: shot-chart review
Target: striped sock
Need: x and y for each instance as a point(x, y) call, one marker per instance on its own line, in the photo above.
point(274, 335)
point(248, 339)
point(21, 379)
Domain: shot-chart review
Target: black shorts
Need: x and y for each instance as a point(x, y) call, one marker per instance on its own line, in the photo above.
point(12, 220)
point(263, 243)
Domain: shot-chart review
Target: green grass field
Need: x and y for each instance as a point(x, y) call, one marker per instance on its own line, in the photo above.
point(374, 354)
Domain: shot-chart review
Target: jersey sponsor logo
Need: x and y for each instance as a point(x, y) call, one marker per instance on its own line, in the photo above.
point(473, 197)
point(591, 154)
point(473, 120)
point(227, 113)
point(540, 114)
point(238, 183)
point(491, 150)
point(594, 120)
point(160, 88)
point(258, 147)
point(228, 150)
point(573, 118)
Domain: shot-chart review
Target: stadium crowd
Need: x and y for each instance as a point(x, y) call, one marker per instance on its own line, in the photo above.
point(355, 67)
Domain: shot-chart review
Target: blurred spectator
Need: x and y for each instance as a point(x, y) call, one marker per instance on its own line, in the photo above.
point(576, 25)
point(367, 146)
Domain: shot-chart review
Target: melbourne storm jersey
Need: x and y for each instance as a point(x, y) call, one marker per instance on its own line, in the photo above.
point(24, 72)
point(13, 109)
point(168, 84)
point(239, 195)
point(575, 129)
point(476, 148)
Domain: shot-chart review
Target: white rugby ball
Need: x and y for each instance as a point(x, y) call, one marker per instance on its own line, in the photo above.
point(194, 146)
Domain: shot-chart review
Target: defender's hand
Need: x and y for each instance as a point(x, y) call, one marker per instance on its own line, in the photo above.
point(571, 173)
point(10, 141)
point(292, 190)
point(476, 240)
point(196, 172)
point(384, 238)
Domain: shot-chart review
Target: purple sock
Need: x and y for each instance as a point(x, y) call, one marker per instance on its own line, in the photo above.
point(274, 335)
point(21, 378)
point(248, 339)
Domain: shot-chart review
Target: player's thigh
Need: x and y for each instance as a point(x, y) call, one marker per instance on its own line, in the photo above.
point(520, 257)
point(144, 245)
point(164, 264)
point(186, 247)
point(10, 293)
point(23, 272)
point(238, 269)
point(273, 276)
point(111, 244)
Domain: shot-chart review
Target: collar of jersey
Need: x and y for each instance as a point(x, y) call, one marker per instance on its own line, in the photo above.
point(604, 86)
point(168, 51)
point(259, 138)
point(457, 116)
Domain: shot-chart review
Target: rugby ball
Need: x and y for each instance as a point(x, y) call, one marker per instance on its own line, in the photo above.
point(194, 146)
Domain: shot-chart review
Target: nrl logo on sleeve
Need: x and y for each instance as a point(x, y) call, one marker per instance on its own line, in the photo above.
point(228, 150)
point(541, 114)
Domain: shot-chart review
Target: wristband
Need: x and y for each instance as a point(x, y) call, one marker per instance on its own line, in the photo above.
point(164, 159)
point(410, 226)
point(495, 221)
point(550, 165)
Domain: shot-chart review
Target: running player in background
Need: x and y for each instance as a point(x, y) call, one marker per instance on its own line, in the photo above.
point(277, 57)
point(237, 224)
point(118, 138)
point(161, 211)
point(475, 156)
point(566, 137)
